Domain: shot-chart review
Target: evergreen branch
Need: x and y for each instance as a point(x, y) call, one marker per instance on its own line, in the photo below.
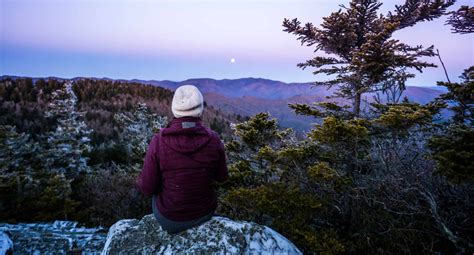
point(306, 34)
point(414, 11)
point(462, 20)
point(321, 61)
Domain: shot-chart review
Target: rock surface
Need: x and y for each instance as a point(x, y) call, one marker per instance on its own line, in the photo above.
point(6, 245)
point(220, 235)
point(60, 237)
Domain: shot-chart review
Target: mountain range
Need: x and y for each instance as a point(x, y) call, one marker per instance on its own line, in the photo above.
point(248, 96)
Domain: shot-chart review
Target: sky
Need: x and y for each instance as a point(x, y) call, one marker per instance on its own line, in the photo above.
point(181, 39)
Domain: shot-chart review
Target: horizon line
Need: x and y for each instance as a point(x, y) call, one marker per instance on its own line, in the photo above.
point(175, 81)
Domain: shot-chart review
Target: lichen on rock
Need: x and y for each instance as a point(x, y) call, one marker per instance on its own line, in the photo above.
point(219, 235)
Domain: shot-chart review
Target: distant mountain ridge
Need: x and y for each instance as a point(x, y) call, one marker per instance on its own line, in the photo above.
point(248, 96)
point(256, 87)
point(271, 89)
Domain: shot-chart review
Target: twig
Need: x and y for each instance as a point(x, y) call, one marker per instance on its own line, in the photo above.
point(444, 67)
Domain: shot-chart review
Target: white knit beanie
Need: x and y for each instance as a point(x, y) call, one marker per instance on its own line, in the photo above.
point(187, 102)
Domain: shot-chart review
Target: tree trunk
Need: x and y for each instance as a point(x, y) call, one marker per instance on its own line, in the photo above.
point(357, 99)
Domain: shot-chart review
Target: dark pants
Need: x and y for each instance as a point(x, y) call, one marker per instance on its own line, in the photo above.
point(173, 227)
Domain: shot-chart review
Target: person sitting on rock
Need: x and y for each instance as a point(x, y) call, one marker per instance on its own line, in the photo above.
point(182, 163)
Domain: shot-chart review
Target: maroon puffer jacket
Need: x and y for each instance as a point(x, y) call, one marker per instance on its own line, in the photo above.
point(181, 165)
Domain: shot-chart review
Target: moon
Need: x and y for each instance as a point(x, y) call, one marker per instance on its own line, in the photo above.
point(232, 60)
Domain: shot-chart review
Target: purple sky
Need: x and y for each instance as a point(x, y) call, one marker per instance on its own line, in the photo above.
point(181, 39)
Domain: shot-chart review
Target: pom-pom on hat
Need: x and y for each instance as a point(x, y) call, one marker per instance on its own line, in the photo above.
point(187, 102)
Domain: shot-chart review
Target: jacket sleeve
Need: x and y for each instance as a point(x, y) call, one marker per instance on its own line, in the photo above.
point(149, 181)
point(222, 173)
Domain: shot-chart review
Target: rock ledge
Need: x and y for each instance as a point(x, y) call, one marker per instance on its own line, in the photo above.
point(220, 235)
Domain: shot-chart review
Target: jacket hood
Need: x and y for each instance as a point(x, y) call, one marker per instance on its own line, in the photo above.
point(186, 135)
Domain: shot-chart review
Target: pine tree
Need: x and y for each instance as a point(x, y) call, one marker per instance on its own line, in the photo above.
point(460, 99)
point(18, 164)
point(31, 187)
point(271, 183)
point(55, 202)
point(362, 55)
point(252, 152)
point(66, 145)
point(17, 152)
point(454, 149)
point(138, 129)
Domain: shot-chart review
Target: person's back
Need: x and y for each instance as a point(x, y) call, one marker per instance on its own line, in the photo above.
point(182, 163)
